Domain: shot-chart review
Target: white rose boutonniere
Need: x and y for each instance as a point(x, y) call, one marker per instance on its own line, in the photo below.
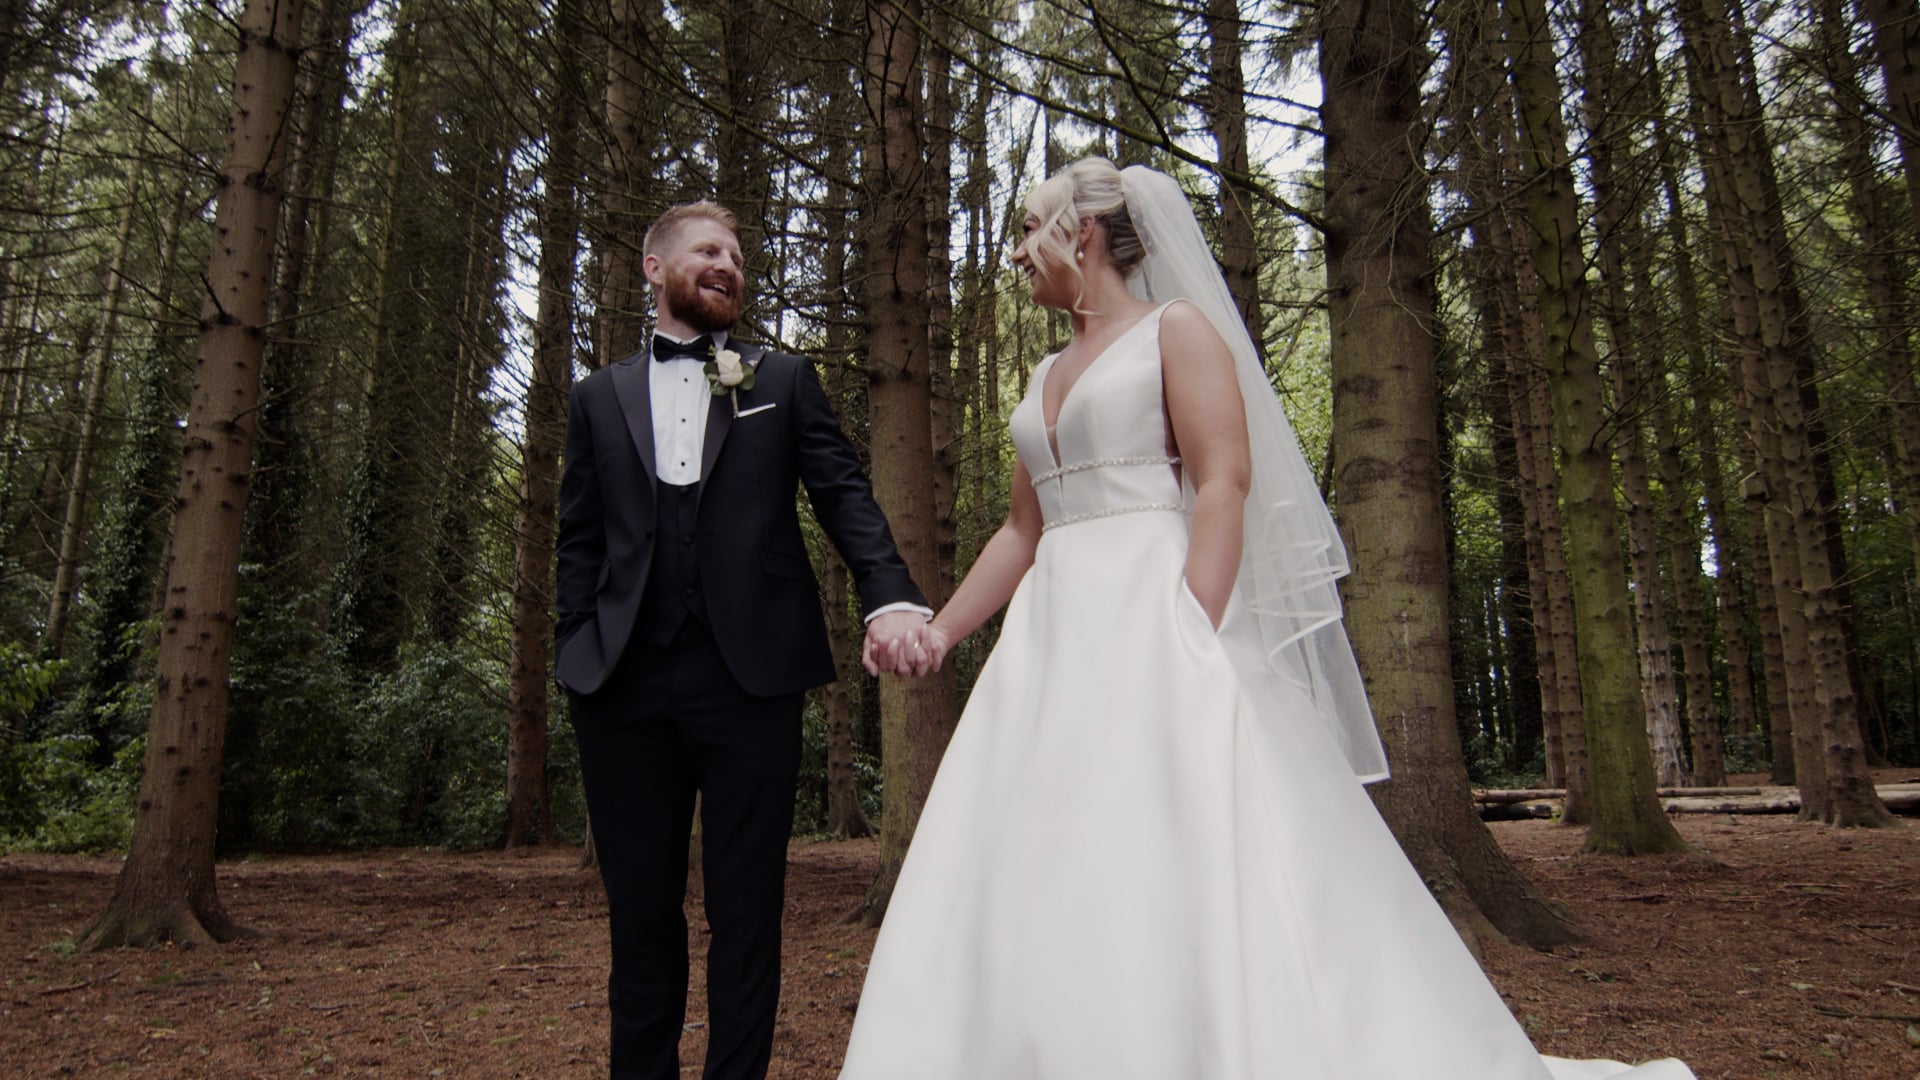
point(726, 374)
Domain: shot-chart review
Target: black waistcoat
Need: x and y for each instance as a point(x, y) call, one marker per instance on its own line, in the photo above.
point(673, 584)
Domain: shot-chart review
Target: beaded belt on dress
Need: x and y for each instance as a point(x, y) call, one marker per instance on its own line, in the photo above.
point(1101, 463)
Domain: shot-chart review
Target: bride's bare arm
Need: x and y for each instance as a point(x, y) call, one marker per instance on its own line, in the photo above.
point(990, 582)
point(1209, 423)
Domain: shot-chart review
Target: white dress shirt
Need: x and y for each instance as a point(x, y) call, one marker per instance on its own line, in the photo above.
point(681, 398)
point(680, 401)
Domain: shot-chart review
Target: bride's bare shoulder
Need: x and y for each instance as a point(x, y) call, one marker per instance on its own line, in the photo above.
point(1184, 324)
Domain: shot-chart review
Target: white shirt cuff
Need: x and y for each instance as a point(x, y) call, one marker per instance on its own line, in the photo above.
point(901, 606)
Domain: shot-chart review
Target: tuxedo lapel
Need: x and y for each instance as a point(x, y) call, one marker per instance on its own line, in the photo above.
point(720, 418)
point(632, 386)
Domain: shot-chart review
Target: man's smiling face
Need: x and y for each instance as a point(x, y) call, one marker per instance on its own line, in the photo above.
point(698, 278)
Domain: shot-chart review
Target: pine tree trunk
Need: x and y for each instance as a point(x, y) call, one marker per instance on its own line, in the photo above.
point(1729, 553)
point(166, 890)
point(1896, 42)
point(745, 109)
point(284, 465)
point(1226, 110)
point(80, 480)
point(529, 810)
point(1770, 320)
point(1781, 683)
point(1683, 556)
point(1510, 344)
point(1887, 298)
point(845, 817)
point(1385, 420)
point(1533, 414)
point(1627, 818)
point(1517, 589)
point(1617, 208)
point(1526, 388)
point(135, 516)
point(948, 412)
point(917, 716)
point(845, 814)
point(632, 124)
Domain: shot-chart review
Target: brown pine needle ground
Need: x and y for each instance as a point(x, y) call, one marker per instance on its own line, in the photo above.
point(1790, 951)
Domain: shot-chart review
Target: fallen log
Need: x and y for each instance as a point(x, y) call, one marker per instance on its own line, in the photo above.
point(1516, 795)
point(1520, 803)
point(1739, 804)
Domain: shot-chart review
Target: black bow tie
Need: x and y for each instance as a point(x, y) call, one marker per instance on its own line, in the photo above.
point(700, 348)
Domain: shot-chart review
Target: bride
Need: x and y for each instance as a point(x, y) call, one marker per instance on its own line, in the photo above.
point(1148, 853)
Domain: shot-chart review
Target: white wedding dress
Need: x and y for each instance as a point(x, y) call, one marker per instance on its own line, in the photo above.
point(1140, 862)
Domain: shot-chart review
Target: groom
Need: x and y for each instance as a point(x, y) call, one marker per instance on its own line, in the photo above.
point(689, 630)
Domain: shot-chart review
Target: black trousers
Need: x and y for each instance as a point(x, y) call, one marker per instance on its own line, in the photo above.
point(670, 722)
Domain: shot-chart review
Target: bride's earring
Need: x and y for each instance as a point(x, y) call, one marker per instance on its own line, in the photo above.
point(1080, 255)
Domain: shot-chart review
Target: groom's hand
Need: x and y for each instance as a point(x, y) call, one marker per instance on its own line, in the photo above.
point(896, 642)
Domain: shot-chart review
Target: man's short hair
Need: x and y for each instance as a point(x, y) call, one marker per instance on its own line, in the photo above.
point(661, 234)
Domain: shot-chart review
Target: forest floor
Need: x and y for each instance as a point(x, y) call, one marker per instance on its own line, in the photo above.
point(1776, 950)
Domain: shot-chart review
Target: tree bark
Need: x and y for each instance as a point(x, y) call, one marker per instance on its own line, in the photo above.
point(1226, 108)
point(1729, 554)
point(80, 480)
point(1378, 236)
point(845, 816)
point(1770, 321)
point(1627, 818)
point(1517, 284)
point(529, 811)
point(631, 123)
point(947, 411)
point(1896, 43)
point(167, 890)
point(1875, 225)
point(1618, 195)
point(1683, 559)
point(284, 461)
point(917, 716)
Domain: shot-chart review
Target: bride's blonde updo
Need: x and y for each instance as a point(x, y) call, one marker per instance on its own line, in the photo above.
point(1089, 187)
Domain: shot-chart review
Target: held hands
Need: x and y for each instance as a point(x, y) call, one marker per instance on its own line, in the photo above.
point(904, 643)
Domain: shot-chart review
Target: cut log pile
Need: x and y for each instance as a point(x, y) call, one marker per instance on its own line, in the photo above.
point(1510, 803)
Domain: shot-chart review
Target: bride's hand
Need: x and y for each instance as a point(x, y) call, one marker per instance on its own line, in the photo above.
point(938, 643)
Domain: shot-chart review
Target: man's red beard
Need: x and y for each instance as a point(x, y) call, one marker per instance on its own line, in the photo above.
point(703, 311)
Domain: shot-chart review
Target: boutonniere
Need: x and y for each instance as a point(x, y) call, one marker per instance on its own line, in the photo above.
point(727, 375)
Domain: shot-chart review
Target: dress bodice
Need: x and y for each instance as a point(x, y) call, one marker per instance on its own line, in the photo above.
point(1111, 434)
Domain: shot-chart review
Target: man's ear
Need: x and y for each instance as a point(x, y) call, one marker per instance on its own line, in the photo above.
point(650, 266)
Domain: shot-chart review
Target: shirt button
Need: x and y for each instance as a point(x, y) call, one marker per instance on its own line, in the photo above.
point(686, 541)
point(689, 592)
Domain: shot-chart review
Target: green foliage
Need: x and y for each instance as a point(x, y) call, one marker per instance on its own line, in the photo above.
point(54, 798)
point(435, 731)
point(810, 805)
point(319, 758)
point(1748, 753)
point(1491, 763)
point(24, 683)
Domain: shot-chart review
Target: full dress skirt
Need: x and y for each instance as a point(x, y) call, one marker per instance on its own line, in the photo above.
point(1144, 856)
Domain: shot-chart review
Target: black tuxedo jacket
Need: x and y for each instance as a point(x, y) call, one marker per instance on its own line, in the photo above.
point(761, 597)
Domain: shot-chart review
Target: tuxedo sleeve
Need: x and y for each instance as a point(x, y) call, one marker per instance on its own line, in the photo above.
point(843, 499)
point(582, 542)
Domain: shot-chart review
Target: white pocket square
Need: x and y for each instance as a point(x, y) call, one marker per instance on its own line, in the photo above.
point(744, 413)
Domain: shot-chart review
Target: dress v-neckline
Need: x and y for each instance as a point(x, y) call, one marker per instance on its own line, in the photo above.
point(1049, 431)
